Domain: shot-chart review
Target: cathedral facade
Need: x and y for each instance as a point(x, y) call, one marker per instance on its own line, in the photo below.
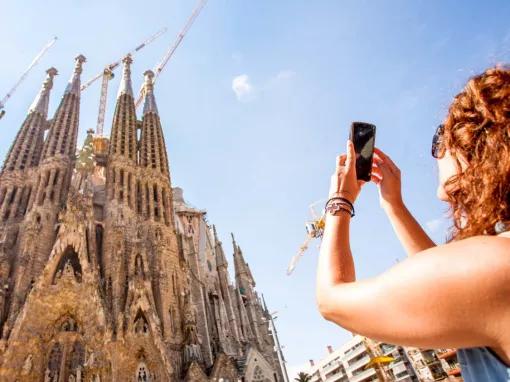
point(106, 273)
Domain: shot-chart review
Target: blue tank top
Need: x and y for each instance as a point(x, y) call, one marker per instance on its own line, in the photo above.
point(482, 364)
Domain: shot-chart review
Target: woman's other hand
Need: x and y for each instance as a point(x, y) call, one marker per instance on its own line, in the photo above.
point(386, 175)
point(344, 182)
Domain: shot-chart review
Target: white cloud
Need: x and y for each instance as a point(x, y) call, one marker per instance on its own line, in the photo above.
point(434, 225)
point(246, 91)
point(242, 87)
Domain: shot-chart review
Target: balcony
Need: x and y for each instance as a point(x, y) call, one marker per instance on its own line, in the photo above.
point(358, 363)
point(337, 378)
point(364, 374)
point(351, 354)
point(334, 365)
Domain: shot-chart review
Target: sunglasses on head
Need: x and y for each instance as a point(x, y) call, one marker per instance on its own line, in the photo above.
point(437, 141)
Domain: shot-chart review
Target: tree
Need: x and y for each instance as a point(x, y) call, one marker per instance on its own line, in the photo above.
point(303, 377)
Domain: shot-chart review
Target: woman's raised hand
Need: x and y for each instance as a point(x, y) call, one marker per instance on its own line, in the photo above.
point(386, 175)
point(344, 182)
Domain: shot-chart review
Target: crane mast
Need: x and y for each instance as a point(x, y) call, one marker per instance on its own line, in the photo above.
point(34, 62)
point(107, 75)
point(168, 55)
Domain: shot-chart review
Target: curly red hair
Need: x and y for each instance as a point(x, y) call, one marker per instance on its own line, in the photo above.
point(477, 133)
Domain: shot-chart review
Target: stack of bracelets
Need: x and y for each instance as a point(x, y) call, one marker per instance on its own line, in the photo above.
point(337, 204)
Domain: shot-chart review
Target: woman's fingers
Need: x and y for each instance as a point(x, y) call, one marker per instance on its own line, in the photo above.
point(375, 179)
point(377, 171)
point(385, 169)
point(351, 156)
point(380, 156)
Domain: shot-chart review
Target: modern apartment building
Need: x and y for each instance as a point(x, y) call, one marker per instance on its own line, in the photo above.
point(435, 364)
point(348, 363)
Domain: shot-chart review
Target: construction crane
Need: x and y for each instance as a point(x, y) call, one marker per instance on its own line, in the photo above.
point(107, 75)
point(168, 55)
point(25, 74)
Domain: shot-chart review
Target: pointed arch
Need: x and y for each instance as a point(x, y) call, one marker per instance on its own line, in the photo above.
point(142, 373)
point(69, 259)
point(68, 324)
point(140, 324)
point(139, 266)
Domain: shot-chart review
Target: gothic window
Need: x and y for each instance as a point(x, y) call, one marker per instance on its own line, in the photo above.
point(141, 326)
point(139, 266)
point(112, 176)
point(55, 181)
point(130, 180)
point(121, 186)
point(171, 311)
point(24, 204)
point(142, 373)
point(75, 362)
point(258, 375)
point(99, 247)
point(156, 202)
point(138, 197)
point(69, 261)
point(147, 198)
point(54, 360)
point(165, 206)
point(69, 325)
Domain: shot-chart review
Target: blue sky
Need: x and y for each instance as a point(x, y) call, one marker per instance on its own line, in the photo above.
point(257, 102)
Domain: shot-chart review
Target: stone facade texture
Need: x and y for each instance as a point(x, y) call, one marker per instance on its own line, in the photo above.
point(106, 273)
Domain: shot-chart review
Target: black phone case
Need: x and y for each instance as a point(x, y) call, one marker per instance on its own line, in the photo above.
point(363, 165)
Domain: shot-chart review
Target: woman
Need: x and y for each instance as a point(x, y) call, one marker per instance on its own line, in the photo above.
point(455, 295)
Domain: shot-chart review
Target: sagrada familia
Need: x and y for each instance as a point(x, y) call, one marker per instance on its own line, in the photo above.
point(106, 273)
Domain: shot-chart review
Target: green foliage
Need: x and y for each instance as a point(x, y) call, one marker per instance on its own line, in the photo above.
point(303, 377)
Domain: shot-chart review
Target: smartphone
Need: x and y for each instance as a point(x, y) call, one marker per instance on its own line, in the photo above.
point(363, 137)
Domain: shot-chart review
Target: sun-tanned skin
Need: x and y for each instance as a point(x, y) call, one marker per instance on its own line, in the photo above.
point(454, 295)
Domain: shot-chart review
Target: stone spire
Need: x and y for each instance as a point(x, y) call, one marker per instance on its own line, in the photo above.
point(41, 101)
point(152, 144)
point(26, 148)
point(73, 87)
point(125, 83)
point(221, 261)
point(227, 298)
point(242, 269)
point(150, 101)
point(63, 131)
point(123, 133)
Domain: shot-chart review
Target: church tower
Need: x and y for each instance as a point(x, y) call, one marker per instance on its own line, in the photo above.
point(106, 273)
point(120, 214)
point(16, 184)
point(49, 193)
point(155, 201)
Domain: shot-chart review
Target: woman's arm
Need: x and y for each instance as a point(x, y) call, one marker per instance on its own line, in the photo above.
point(388, 179)
point(454, 295)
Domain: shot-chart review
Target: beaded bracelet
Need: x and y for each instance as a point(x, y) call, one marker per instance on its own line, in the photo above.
point(333, 206)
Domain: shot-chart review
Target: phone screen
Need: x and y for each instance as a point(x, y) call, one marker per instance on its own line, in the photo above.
point(363, 138)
